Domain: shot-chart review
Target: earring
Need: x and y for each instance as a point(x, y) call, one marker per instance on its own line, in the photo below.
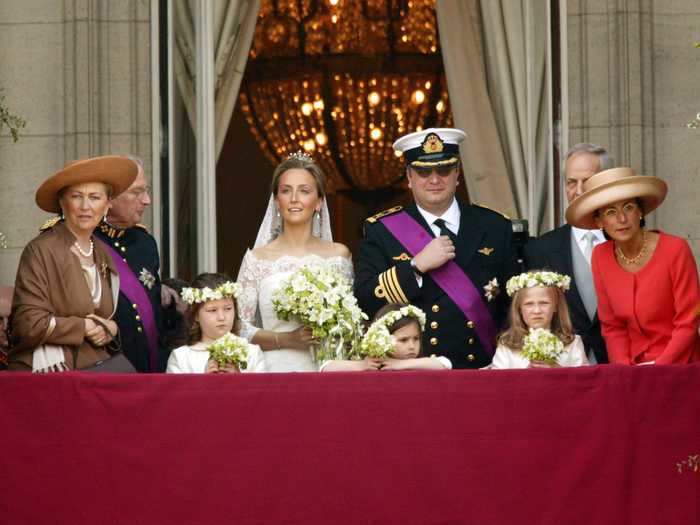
point(277, 211)
point(316, 228)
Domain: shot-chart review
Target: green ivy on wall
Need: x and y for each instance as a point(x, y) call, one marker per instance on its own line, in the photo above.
point(7, 119)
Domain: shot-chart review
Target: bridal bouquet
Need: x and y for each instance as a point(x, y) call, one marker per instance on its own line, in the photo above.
point(542, 345)
point(321, 299)
point(229, 350)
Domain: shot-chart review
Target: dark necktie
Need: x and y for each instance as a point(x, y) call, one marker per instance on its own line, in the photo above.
point(444, 230)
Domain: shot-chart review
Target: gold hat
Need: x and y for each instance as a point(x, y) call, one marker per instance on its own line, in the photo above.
point(119, 172)
point(610, 186)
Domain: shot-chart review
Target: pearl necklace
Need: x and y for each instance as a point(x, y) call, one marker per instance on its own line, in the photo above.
point(636, 258)
point(87, 254)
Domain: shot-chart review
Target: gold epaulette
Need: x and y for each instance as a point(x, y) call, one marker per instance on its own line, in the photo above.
point(142, 226)
point(110, 231)
point(376, 217)
point(50, 224)
point(491, 209)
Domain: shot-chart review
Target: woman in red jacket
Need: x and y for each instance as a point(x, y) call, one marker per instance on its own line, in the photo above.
point(646, 281)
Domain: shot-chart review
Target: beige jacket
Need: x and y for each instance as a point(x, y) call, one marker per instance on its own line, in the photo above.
point(50, 283)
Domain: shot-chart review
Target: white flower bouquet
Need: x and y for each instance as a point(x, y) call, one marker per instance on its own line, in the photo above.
point(229, 350)
point(377, 342)
point(542, 345)
point(321, 299)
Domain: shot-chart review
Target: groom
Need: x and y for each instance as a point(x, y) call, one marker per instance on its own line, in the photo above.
point(447, 257)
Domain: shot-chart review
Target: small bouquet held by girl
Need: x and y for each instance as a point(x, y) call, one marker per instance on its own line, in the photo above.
point(321, 299)
point(540, 334)
point(392, 342)
point(213, 323)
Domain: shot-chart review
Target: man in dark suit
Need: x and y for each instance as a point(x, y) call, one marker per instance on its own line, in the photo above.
point(122, 232)
point(449, 258)
point(567, 250)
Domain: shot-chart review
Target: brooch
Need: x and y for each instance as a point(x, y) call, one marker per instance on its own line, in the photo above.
point(103, 269)
point(492, 289)
point(147, 278)
point(486, 251)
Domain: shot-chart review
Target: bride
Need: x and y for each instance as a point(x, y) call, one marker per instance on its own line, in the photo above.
point(295, 231)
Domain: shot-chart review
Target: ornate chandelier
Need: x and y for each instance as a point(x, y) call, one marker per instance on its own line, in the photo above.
point(341, 80)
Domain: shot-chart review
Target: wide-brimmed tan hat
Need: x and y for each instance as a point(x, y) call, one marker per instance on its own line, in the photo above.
point(119, 172)
point(613, 185)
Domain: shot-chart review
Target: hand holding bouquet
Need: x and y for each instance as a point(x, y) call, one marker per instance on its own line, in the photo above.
point(229, 350)
point(321, 299)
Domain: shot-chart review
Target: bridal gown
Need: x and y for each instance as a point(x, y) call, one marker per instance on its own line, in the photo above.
point(259, 278)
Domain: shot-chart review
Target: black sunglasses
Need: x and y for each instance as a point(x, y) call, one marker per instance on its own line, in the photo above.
point(443, 171)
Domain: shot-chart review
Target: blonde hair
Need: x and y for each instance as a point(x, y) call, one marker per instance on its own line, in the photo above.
point(517, 329)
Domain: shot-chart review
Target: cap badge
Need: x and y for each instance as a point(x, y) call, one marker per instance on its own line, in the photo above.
point(433, 144)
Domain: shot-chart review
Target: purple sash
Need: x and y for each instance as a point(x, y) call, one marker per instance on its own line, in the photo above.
point(132, 288)
point(450, 277)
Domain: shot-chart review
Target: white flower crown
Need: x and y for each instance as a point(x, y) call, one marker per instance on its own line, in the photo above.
point(202, 295)
point(378, 342)
point(405, 311)
point(532, 279)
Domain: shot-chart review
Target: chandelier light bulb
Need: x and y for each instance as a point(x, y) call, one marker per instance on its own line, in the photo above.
point(334, 19)
point(307, 108)
point(309, 145)
point(321, 139)
point(374, 98)
point(375, 134)
point(318, 105)
point(418, 96)
point(333, 2)
point(440, 106)
point(398, 153)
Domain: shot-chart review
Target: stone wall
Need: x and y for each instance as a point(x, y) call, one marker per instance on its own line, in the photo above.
point(633, 82)
point(79, 73)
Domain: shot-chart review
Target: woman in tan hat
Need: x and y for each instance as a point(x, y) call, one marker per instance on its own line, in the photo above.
point(66, 286)
point(646, 281)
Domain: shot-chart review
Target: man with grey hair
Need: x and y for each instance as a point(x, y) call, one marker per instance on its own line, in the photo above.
point(142, 299)
point(567, 250)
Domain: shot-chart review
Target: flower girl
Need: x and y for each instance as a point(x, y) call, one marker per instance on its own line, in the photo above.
point(392, 342)
point(213, 320)
point(540, 333)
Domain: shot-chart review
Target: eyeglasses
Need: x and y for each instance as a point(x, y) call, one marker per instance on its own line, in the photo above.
point(443, 171)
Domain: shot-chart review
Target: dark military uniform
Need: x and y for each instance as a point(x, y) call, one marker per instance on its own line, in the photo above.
point(483, 251)
point(139, 249)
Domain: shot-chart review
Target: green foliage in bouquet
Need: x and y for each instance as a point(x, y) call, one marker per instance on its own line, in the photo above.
point(321, 299)
point(229, 350)
point(542, 345)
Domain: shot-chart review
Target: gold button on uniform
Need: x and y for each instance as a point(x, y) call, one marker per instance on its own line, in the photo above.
point(139, 329)
point(471, 357)
point(133, 306)
point(123, 249)
point(116, 244)
point(470, 340)
point(436, 308)
point(138, 317)
point(433, 341)
point(434, 325)
point(470, 324)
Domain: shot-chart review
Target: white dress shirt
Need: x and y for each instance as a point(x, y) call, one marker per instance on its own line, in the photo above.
point(581, 242)
point(451, 218)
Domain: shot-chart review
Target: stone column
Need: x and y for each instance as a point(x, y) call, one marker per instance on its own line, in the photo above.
point(632, 87)
point(79, 73)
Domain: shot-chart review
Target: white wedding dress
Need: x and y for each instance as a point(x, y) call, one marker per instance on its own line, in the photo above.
point(259, 278)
